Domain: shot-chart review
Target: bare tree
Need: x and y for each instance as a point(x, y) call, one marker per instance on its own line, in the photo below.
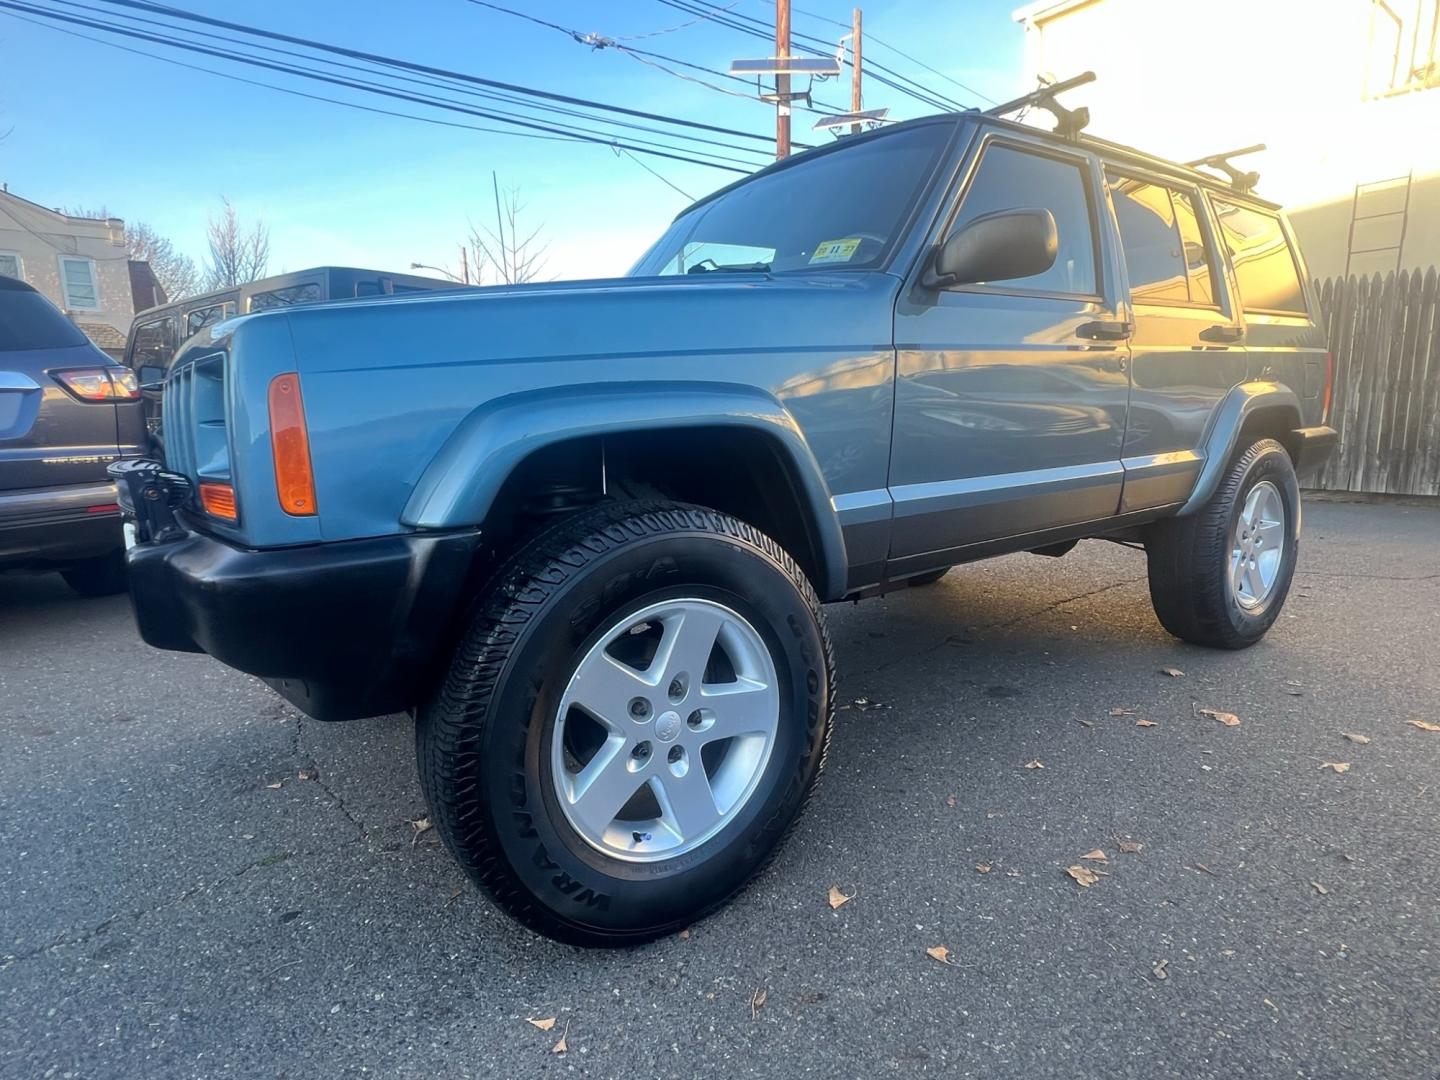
point(175, 271)
point(508, 253)
point(237, 254)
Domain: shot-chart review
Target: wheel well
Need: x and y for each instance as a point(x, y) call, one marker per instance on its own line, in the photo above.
point(738, 471)
point(1276, 422)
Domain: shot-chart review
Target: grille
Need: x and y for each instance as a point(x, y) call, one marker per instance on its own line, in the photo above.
point(179, 420)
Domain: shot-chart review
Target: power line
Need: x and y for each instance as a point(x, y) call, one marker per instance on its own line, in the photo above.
point(427, 82)
point(758, 29)
point(389, 61)
point(599, 41)
point(568, 131)
point(664, 180)
point(872, 39)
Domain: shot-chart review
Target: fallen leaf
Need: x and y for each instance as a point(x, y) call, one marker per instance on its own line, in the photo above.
point(1271, 1004)
point(1083, 875)
point(1085, 723)
point(276, 786)
point(1173, 672)
point(1336, 766)
point(1320, 888)
point(1424, 725)
point(1130, 847)
point(1229, 719)
point(1159, 970)
point(543, 1025)
point(939, 952)
point(1013, 873)
point(1098, 855)
point(1036, 764)
point(982, 868)
point(1201, 868)
point(308, 774)
point(1146, 723)
point(1123, 712)
point(562, 1046)
point(757, 1002)
point(950, 800)
point(684, 935)
point(421, 824)
point(1361, 739)
point(838, 898)
point(453, 897)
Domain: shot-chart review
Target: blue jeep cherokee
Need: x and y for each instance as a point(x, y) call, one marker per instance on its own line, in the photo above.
point(584, 530)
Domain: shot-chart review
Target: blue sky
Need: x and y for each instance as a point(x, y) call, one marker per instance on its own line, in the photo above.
point(95, 126)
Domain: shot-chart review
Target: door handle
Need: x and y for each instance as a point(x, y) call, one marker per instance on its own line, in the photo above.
point(1106, 330)
point(1222, 333)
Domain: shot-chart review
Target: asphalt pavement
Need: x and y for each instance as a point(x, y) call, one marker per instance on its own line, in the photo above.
point(176, 901)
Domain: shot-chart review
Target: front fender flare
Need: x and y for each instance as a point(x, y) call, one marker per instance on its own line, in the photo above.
point(1242, 402)
point(461, 482)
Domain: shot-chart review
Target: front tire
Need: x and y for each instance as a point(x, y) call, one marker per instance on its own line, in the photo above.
point(668, 660)
point(1219, 577)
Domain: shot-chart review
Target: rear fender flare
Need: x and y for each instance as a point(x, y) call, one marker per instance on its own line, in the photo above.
point(1241, 403)
point(460, 484)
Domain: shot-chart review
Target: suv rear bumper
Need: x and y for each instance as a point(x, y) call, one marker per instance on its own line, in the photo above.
point(343, 630)
point(1312, 445)
point(58, 525)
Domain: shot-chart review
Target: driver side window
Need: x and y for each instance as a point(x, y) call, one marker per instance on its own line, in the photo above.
point(1008, 178)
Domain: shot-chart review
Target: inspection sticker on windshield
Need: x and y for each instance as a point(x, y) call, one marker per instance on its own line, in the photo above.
point(833, 251)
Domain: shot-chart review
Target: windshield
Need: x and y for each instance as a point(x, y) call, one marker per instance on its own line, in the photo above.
point(29, 321)
point(843, 209)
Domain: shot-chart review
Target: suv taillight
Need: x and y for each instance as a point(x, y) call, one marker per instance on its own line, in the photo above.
point(100, 384)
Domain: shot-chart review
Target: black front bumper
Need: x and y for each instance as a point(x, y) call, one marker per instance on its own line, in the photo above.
point(344, 630)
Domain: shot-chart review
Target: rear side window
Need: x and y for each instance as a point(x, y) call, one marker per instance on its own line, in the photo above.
point(1165, 250)
point(308, 293)
point(197, 320)
point(152, 347)
point(29, 321)
point(1264, 266)
point(1008, 179)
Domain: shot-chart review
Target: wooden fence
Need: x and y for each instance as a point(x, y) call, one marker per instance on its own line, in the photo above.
point(1385, 336)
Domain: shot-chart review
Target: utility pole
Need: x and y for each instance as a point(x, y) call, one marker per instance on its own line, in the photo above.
point(464, 265)
point(782, 82)
point(855, 101)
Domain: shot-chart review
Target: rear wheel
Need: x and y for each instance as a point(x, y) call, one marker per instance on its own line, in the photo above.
point(1219, 577)
point(635, 717)
point(101, 576)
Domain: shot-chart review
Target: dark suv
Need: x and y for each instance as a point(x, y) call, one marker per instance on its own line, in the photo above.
point(66, 412)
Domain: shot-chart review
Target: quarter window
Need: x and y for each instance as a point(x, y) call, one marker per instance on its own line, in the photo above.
point(1008, 179)
point(9, 264)
point(307, 293)
point(1198, 260)
point(1264, 265)
point(77, 280)
point(200, 318)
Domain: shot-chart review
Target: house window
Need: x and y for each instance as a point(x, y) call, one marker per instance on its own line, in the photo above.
point(77, 281)
point(10, 265)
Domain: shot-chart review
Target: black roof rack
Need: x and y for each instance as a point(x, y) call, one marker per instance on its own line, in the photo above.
point(1068, 122)
point(1241, 181)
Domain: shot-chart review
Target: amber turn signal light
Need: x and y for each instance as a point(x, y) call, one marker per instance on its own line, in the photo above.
point(290, 444)
point(218, 500)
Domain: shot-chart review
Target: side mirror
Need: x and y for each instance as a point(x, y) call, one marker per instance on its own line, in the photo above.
point(1002, 246)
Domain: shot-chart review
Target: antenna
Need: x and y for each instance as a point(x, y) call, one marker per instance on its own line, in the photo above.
point(1243, 182)
point(1068, 122)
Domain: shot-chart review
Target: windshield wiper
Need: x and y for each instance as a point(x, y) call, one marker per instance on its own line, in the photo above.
point(732, 268)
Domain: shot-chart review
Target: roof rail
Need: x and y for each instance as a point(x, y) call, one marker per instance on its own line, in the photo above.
point(1241, 181)
point(1068, 122)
